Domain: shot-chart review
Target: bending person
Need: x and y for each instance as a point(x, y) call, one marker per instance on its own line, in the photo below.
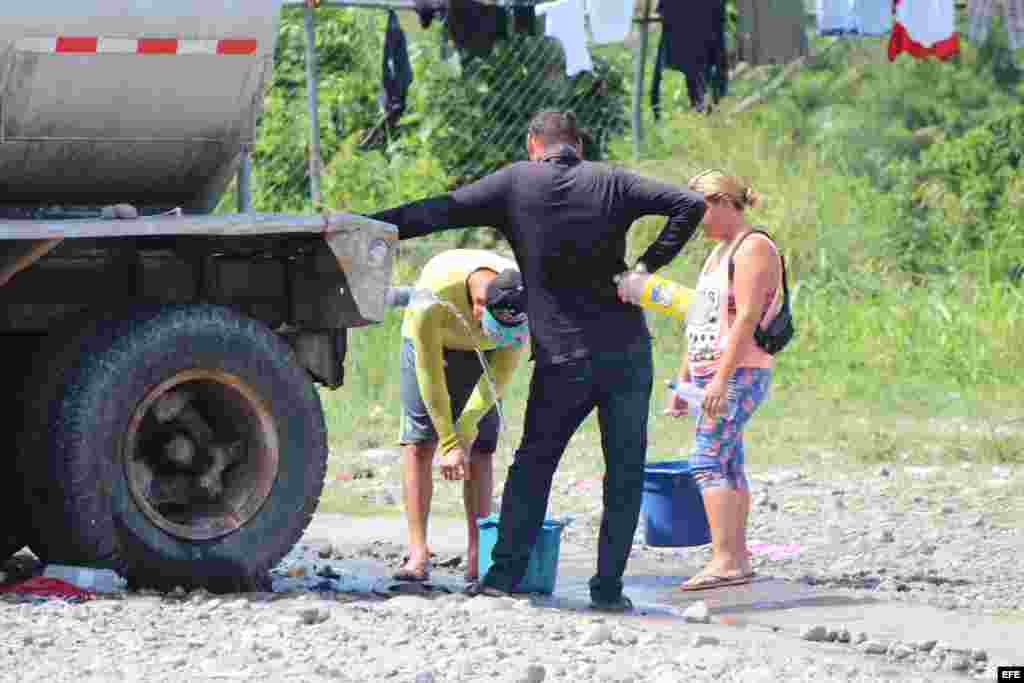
point(465, 299)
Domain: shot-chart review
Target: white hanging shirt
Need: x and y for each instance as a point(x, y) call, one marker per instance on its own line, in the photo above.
point(835, 17)
point(927, 21)
point(875, 17)
point(565, 21)
point(610, 20)
point(854, 17)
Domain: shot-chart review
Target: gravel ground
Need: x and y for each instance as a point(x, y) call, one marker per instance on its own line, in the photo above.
point(406, 638)
point(938, 536)
point(949, 537)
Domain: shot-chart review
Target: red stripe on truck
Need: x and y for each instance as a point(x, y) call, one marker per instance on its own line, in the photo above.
point(157, 46)
point(140, 46)
point(236, 46)
point(76, 44)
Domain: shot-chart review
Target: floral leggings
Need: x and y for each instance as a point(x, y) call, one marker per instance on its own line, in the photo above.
point(717, 457)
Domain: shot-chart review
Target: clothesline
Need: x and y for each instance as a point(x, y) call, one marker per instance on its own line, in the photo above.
point(401, 4)
point(411, 5)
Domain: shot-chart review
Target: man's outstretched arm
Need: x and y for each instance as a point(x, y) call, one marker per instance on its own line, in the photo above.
point(478, 204)
point(684, 208)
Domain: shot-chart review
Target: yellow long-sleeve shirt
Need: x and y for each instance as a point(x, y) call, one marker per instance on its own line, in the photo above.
point(434, 327)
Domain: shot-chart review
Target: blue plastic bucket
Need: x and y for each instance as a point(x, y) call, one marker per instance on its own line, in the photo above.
point(542, 571)
point(672, 507)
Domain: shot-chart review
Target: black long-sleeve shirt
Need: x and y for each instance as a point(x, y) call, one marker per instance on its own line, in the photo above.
point(566, 221)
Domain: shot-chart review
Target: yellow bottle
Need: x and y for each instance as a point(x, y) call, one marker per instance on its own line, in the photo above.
point(665, 297)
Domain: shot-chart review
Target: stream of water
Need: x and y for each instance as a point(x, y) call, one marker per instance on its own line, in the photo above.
point(411, 297)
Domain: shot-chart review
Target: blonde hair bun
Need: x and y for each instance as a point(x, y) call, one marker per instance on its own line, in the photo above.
point(713, 182)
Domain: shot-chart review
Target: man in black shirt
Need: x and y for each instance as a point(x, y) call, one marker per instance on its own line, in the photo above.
point(566, 220)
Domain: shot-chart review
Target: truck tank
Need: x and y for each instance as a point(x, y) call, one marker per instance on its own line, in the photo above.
point(105, 101)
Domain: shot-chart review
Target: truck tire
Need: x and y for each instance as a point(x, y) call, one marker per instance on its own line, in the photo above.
point(15, 352)
point(186, 448)
point(68, 500)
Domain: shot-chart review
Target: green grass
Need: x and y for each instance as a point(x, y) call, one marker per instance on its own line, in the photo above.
point(886, 368)
point(852, 387)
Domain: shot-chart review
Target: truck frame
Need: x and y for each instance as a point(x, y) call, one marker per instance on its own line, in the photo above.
point(161, 362)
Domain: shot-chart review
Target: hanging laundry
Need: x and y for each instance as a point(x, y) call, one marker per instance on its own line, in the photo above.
point(717, 70)
point(426, 10)
point(980, 14)
point(475, 27)
point(524, 19)
point(397, 69)
point(875, 17)
point(924, 28)
point(659, 67)
point(693, 42)
point(771, 31)
point(854, 17)
point(610, 20)
point(565, 21)
point(396, 77)
point(1014, 14)
point(836, 18)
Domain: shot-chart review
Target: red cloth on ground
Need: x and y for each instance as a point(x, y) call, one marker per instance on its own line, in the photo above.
point(46, 587)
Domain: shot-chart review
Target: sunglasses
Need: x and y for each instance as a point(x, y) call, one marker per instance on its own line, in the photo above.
point(507, 315)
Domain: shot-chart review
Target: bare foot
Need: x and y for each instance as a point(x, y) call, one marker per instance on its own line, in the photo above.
point(415, 568)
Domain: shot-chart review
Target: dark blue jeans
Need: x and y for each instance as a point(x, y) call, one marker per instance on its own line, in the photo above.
point(618, 384)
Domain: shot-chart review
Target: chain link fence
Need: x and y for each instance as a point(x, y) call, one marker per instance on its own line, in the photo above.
point(487, 120)
point(474, 111)
point(466, 114)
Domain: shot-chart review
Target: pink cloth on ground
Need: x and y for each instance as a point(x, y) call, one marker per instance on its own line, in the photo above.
point(774, 551)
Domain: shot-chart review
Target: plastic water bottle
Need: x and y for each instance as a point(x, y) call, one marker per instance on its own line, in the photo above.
point(87, 578)
point(694, 397)
point(657, 294)
point(689, 392)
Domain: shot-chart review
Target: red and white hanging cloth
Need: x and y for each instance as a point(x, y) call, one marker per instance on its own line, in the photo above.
point(924, 28)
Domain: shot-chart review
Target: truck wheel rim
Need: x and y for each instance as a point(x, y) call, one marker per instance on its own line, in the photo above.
point(171, 495)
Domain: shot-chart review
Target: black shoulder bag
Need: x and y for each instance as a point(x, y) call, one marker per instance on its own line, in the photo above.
point(774, 336)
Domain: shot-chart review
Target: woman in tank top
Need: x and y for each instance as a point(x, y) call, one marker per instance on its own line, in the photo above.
point(738, 289)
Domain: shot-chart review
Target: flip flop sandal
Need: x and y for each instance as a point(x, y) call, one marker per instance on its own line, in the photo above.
point(475, 589)
point(710, 581)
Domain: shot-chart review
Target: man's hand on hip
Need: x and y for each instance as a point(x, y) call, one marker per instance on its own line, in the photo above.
point(631, 286)
point(455, 464)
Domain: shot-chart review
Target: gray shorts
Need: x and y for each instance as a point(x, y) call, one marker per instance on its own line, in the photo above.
point(462, 371)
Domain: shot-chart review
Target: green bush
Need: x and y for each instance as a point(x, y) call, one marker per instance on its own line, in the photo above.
point(348, 44)
point(863, 112)
point(967, 193)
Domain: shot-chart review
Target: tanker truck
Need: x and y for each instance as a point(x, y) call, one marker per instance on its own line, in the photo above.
point(161, 361)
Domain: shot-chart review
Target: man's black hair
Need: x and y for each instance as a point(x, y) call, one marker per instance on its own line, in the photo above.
point(554, 127)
